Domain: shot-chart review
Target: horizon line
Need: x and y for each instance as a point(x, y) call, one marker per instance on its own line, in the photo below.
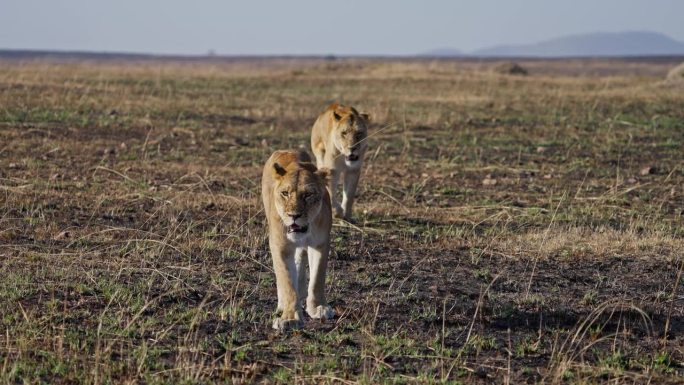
point(13, 53)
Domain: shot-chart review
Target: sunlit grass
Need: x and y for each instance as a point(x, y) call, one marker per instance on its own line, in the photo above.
point(508, 228)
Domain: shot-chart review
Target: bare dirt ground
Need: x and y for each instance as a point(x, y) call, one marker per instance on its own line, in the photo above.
point(510, 229)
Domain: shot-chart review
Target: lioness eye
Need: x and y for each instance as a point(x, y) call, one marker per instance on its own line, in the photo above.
point(284, 194)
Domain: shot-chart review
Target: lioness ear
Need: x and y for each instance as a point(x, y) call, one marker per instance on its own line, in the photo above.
point(365, 117)
point(324, 173)
point(337, 116)
point(279, 170)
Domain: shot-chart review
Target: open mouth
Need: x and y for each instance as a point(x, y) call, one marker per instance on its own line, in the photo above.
point(352, 157)
point(295, 228)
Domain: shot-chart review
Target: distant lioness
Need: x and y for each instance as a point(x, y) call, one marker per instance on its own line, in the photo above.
point(338, 140)
point(299, 218)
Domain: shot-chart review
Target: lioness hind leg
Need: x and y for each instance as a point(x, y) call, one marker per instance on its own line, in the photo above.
point(316, 305)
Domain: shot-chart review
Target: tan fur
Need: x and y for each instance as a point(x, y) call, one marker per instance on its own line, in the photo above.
point(339, 132)
point(294, 192)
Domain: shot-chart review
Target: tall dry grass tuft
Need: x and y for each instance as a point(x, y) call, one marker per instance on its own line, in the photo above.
point(676, 75)
point(569, 359)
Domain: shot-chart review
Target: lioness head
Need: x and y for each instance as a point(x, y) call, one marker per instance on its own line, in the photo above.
point(349, 134)
point(299, 192)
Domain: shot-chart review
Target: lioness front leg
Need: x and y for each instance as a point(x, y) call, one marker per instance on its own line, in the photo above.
point(351, 181)
point(316, 306)
point(319, 154)
point(286, 283)
point(301, 261)
point(337, 209)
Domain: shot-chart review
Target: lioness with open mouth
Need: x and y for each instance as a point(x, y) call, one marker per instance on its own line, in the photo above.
point(338, 141)
point(299, 218)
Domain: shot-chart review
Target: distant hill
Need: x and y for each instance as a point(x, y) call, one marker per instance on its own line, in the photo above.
point(445, 52)
point(619, 44)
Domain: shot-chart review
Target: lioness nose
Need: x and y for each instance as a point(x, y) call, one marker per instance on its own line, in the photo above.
point(295, 215)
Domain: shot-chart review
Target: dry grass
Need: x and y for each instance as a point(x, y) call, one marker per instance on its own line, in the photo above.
point(676, 75)
point(510, 229)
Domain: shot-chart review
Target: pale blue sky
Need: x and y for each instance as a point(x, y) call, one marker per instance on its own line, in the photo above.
point(381, 27)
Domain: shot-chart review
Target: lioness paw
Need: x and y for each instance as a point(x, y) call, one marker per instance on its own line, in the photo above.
point(339, 213)
point(321, 312)
point(284, 325)
point(348, 217)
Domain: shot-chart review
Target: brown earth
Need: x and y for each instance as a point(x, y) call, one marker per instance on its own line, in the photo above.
point(509, 229)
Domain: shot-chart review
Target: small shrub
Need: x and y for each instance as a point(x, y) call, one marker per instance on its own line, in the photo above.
point(510, 68)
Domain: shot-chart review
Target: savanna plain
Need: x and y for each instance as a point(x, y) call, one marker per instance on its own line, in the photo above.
point(509, 228)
